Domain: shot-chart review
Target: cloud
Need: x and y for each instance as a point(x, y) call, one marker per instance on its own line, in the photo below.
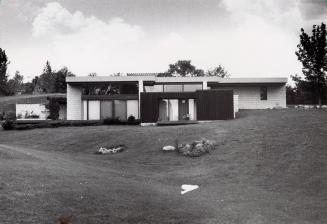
point(313, 9)
point(86, 43)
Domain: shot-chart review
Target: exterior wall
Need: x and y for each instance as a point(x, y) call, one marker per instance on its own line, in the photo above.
point(249, 97)
point(74, 102)
point(31, 112)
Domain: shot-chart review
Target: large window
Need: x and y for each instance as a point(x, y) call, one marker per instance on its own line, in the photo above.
point(263, 92)
point(173, 88)
point(192, 87)
point(102, 109)
point(110, 89)
point(154, 88)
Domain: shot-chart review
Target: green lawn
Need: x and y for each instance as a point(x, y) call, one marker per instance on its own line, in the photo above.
point(270, 166)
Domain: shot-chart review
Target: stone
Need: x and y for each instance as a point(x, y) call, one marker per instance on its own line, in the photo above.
point(168, 148)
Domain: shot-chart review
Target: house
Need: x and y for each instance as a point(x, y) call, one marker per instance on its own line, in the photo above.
point(153, 98)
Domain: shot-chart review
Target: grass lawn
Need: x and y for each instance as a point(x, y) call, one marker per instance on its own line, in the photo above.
point(269, 167)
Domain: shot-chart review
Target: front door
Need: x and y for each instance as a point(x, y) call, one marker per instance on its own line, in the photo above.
point(183, 109)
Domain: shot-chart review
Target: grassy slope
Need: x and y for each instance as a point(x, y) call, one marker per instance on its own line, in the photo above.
point(270, 167)
point(8, 103)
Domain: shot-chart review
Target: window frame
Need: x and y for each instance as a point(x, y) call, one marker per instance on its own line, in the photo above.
point(263, 93)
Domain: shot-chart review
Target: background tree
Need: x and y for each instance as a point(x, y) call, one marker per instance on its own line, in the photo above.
point(3, 73)
point(219, 71)
point(15, 85)
point(312, 52)
point(183, 68)
point(60, 80)
point(46, 81)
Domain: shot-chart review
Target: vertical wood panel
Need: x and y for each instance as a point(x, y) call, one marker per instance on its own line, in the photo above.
point(214, 105)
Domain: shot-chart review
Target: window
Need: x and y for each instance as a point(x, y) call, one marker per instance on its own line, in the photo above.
point(192, 87)
point(173, 88)
point(263, 92)
point(154, 88)
point(120, 109)
point(110, 89)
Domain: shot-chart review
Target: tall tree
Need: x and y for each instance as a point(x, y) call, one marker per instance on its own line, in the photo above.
point(3, 73)
point(46, 81)
point(219, 71)
point(312, 52)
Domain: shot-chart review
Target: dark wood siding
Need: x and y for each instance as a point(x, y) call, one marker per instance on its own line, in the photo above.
point(214, 105)
point(149, 108)
point(211, 104)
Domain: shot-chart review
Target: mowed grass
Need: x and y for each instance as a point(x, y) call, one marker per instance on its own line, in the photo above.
point(270, 166)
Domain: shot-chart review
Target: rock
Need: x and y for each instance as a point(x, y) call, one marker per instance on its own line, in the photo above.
point(168, 148)
point(187, 188)
point(111, 150)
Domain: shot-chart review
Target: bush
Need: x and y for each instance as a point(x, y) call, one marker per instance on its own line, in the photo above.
point(131, 119)
point(8, 125)
point(111, 121)
point(10, 116)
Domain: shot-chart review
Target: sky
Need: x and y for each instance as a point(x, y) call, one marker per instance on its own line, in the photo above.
point(250, 38)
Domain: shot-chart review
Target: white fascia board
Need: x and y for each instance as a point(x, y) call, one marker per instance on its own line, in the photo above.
point(79, 79)
point(86, 79)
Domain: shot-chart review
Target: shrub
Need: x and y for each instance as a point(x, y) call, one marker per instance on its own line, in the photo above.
point(111, 121)
point(54, 107)
point(8, 125)
point(131, 119)
point(10, 116)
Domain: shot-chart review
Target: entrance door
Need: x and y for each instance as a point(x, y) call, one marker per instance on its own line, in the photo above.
point(183, 109)
point(163, 110)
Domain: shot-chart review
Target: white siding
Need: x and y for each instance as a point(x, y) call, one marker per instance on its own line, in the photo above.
point(74, 102)
point(249, 97)
point(84, 110)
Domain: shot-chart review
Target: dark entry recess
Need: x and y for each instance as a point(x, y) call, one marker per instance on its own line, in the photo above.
point(214, 105)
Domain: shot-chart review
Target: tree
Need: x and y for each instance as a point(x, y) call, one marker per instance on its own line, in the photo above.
point(183, 68)
point(15, 84)
point(46, 81)
point(312, 52)
point(3, 73)
point(219, 71)
point(60, 80)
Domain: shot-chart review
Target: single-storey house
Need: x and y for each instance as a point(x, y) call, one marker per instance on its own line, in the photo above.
point(153, 98)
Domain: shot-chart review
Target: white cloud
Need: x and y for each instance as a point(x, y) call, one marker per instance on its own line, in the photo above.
point(85, 44)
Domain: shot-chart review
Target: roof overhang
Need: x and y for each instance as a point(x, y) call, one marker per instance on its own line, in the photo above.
point(154, 79)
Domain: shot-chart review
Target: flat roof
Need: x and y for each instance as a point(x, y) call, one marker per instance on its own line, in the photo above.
point(153, 78)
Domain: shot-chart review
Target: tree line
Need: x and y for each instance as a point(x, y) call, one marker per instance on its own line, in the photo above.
point(50, 81)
